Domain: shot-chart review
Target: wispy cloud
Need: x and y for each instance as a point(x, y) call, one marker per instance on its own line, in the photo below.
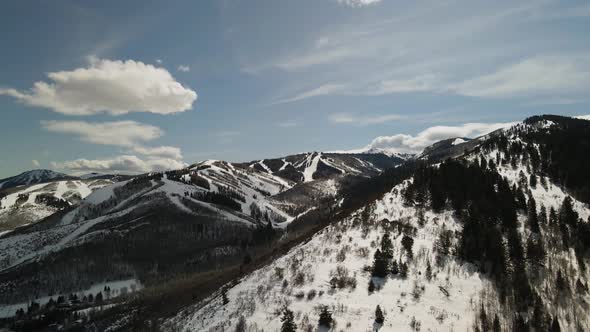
point(323, 90)
point(184, 68)
point(288, 124)
point(358, 3)
point(531, 77)
point(362, 120)
point(35, 163)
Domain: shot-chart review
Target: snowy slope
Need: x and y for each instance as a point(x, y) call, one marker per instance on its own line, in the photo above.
point(20, 205)
point(262, 294)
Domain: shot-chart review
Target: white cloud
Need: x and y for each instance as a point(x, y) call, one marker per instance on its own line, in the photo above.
point(532, 77)
point(184, 68)
point(348, 118)
point(128, 164)
point(159, 61)
point(403, 143)
point(118, 133)
point(106, 86)
point(35, 163)
point(583, 117)
point(358, 3)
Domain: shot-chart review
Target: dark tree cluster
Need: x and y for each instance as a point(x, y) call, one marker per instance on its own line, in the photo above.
point(216, 198)
point(52, 201)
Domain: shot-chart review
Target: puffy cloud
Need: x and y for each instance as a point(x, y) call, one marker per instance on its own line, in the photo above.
point(106, 86)
point(119, 133)
point(358, 3)
point(184, 68)
point(347, 118)
point(535, 76)
point(583, 117)
point(403, 143)
point(128, 164)
point(35, 163)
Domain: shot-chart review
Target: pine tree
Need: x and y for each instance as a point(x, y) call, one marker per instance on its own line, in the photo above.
point(379, 319)
point(241, 325)
point(555, 325)
point(407, 243)
point(532, 218)
point(325, 317)
point(403, 270)
point(394, 267)
point(483, 318)
point(288, 321)
point(496, 327)
point(379, 265)
point(428, 271)
point(386, 246)
point(224, 296)
point(371, 288)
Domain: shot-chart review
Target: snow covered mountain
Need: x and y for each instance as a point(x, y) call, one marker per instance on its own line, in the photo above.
point(30, 203)
point(488, 234)
point(425, 284)
point(307, 167)
point(31, 177)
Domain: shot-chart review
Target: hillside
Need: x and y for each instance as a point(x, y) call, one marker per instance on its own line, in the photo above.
point(488, 234)
point(436, 253)
point(28, 204)
point(31, 177)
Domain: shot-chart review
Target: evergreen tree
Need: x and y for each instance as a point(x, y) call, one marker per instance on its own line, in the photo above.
point(379, 265)
point(555, 325)
point(386, 246)
point(560, 282)
point(224, 298)
point(532, 217)
point(533, 181)
point(483, 318)
point(241, 325)
point(403, 270)
point(428, 271)
point(496, 326)
point(407, 243)
point(379, 319)
point(288, 323)
point(325, 317)
point(394, 267)
point(371, 288)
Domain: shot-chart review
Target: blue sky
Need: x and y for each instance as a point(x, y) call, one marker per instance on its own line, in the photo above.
point(130, 86)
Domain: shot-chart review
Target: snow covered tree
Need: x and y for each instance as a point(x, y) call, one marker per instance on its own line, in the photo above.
point(325, 317)
point(379, 319)
point(288, 324)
